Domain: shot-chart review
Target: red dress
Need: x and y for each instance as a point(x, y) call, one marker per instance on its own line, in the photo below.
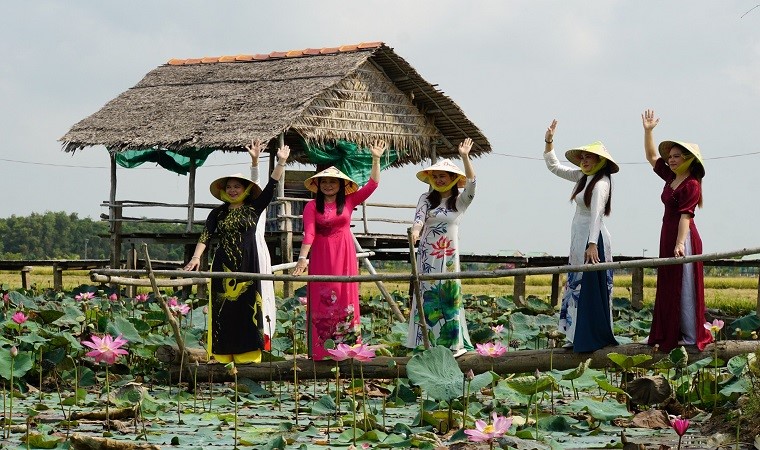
point(333, 307)
point(666, 330)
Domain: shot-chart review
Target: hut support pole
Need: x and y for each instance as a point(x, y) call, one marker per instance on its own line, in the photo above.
point(114, 214)
point(371, 269)
point(286, 235)
point(191, 198)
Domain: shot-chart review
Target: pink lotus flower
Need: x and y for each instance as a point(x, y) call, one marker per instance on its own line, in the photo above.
point(113, 297)
point(488, 432)
point(84, 296)
point(141, 298)
point(303, 300)
point(679, 425)
point(715, 326)
point(498, 329)
point(176, 307)
point(14, 351)
point(359, 352)
point(106, 349)
point(6, 298)
point(19, 317)
point(492, 350)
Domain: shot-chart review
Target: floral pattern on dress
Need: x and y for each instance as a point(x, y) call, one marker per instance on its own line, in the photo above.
point(438, 252)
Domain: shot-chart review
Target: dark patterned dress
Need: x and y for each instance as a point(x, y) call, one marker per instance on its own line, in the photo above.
point(235, 310)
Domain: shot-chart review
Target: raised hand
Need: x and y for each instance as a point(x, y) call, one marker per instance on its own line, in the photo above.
point(649, 120)
point(254, 149)
point(282, 154)
point(464, 147)
point(377, 148)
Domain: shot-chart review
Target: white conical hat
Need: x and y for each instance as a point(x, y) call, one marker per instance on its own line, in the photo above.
point(218, 185)
point(444, 165)
point(312, 183)
point(574, 155)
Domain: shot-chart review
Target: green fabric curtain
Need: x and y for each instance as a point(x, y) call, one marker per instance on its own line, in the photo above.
point(169, 160)
point(349, 158)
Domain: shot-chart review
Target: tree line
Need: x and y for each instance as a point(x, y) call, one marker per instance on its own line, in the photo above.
point(61, 235)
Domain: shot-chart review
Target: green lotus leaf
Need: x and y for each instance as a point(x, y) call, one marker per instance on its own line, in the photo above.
point(604, 411)
point(436, 371)
point(606, 386)
point(738, 364)
point(530, 385)
point(573, 374)
point(22, 363)
point(628, 362)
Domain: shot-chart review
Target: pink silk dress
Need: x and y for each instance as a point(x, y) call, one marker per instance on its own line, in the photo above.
point(332, 311)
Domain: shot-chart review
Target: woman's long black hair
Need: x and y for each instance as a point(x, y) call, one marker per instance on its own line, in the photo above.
point(434, 198)
point(603, 172)
point(697, 170)
point(340, 197)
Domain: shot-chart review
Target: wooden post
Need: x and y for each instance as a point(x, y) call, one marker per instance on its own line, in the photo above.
point(57, 277)
point(131, 291)
point(757, 310)
point(555, 289)
point(286, 227)
point(26, 277)
point(518, 294)
point(637, 288)
point(364, 218)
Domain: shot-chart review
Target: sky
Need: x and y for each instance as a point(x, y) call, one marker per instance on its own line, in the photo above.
point(512, 66)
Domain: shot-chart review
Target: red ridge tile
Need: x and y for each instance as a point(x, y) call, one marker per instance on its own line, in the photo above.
point(244, 58)
point(370, 44)
point(210, 59)
point(294, 53)
point(348, 48)
point(227, 58)
point(311, 51)
point(193, 61)
point(329, 50)
point(278, 54)
point(176, 62)
point(260, 57)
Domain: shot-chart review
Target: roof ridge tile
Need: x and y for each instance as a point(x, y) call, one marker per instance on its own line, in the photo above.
point(277, 54)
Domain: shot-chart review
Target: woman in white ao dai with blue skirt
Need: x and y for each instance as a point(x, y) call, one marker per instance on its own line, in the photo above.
point(586, 311)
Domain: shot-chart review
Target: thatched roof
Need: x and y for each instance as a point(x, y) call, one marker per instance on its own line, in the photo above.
point(359, 93)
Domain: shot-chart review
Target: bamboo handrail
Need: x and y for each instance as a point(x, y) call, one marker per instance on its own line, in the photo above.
point(650, 262)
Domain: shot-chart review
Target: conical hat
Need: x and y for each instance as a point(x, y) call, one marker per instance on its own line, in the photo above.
point(666, 146)
point(218, 185)
point(312, 183)
point(574, 155)
point(444, 165)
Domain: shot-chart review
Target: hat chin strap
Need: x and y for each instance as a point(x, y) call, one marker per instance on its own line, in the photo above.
point(442, 189)
point(681, 169)
point(226, 198)
point(602, 162)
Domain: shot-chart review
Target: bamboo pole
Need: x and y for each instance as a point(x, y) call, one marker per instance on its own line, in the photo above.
point(649, 262)
point(371, 269)
point(165, 307)
point(417, 294)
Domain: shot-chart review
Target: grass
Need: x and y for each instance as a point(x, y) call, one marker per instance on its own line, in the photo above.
point(733, 295)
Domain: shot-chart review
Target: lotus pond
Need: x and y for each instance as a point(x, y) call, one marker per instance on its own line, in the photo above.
point(68, 375)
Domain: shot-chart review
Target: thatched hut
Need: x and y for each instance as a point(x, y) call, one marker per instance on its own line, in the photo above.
point(357, 93)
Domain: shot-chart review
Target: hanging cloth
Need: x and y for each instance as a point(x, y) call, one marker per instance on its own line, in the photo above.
point(349, 158)
point(168, 159)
